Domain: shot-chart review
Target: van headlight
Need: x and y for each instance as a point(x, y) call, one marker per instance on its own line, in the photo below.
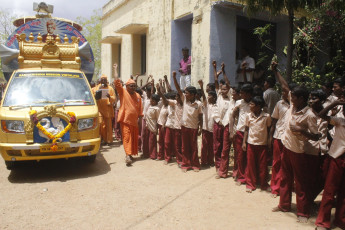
point(87, 123)
point(14, 126)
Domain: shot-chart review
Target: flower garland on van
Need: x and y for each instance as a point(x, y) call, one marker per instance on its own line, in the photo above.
point(54, 138)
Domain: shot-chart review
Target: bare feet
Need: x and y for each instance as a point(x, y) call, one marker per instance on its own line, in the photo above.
point(217, 177)
point(128, 161)
point(165, 162)
point(302, 219)
point(274, 195)
point(320, 228)
point(238, 183)
point(196, 170)
point(249, 190)
point(276, 209)
point(184, 170)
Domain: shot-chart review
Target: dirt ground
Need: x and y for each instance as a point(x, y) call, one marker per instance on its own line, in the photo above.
point(75, 194)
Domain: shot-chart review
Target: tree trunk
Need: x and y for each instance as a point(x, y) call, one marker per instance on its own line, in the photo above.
point(290, 46)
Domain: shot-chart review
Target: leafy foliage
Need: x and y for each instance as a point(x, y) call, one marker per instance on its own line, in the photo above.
point(320, 46)
point(92, 31)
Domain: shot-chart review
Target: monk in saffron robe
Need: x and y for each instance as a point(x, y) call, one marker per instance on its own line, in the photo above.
point(106, 110)
point(130, 114)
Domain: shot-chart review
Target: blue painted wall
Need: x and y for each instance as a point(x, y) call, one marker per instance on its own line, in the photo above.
point(181, 34)
point(223, 41)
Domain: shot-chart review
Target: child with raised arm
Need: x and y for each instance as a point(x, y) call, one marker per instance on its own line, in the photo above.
point(276, 133)
point(300, 125)
point(241, 109)
point(162, 119)
point(221, 129)
point(210, 113)
point(257, 124)
point(152, 115)
point(335, 180)
point(191, 126)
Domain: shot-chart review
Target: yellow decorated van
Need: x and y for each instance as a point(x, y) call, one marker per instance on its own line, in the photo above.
point(48, 110)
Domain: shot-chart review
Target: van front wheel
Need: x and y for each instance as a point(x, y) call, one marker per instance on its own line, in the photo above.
point(10, 165)
point(91, 158)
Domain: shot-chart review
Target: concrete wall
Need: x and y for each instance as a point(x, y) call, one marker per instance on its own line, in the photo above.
point(223, 41)
point(208, 27)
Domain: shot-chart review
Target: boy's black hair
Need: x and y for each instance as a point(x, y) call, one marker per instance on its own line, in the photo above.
point(167, 95)
point(292, 85)
point(185, 49)
point(257, 100)
point(339, 81)
point(213, 94)
point(173, 94)
point(320, 94)
point(301, 91)
point(149, 88)
point(139, 91)
point(155, 97)
point(237, 89)
point(212, 86)
point(199, 92)
point(271, 81)
point(328, 84)
point(222, 81)
point(247, 88)
point(257, 91)
point(191, 90)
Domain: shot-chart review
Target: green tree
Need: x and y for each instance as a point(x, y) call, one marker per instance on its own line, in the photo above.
point(276, 7)
point(6, 29)
point(92, 31)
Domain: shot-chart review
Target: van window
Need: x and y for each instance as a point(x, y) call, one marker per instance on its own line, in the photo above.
point(42, 88)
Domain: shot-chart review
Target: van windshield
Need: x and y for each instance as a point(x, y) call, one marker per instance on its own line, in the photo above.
point(42, 88)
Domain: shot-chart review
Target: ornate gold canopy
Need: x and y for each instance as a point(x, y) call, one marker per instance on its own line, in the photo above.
point(53, 53)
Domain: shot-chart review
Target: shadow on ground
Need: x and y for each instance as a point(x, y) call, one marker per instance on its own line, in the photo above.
point(58, 170)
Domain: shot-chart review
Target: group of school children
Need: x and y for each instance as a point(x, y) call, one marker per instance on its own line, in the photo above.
point(302, 135)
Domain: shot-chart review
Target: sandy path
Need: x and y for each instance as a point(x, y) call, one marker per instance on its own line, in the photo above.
point(75, 194)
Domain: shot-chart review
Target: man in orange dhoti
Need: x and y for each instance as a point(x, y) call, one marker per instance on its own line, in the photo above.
point(130, 114)
point(106, 110)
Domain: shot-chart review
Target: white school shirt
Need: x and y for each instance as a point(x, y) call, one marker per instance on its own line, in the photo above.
point(279, 113)
point(210, 114)
point(174, 115)
point(338, 144)
point(271, 97)
point(228, 113)
point(152, 115)
point(320, 146)
point(244, 109)
point(146, 104)
point(190, 115)
point(306, 118)
point(258, 128)
point(163, 115)
point(250, 65)
point(223, 105)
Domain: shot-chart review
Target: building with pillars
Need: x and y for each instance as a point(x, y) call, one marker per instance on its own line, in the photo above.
point(146, 36)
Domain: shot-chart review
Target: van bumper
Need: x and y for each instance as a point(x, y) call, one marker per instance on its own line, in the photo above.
point(25, 152)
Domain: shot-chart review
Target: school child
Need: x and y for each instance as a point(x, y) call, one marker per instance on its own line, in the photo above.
point(300, 126)
point(149, 90)
point(316, 150)
point(152, 115)
point(163, 115)
point(210, 111)
point(241, 109)
point(277, 130)
point(257, 124)
point(335, 180)
point(221, 128)
point(233, 124)
point(191, 127)
point(172, 138)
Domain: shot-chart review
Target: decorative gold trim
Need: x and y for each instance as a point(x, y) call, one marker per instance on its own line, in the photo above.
point(50, 111)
